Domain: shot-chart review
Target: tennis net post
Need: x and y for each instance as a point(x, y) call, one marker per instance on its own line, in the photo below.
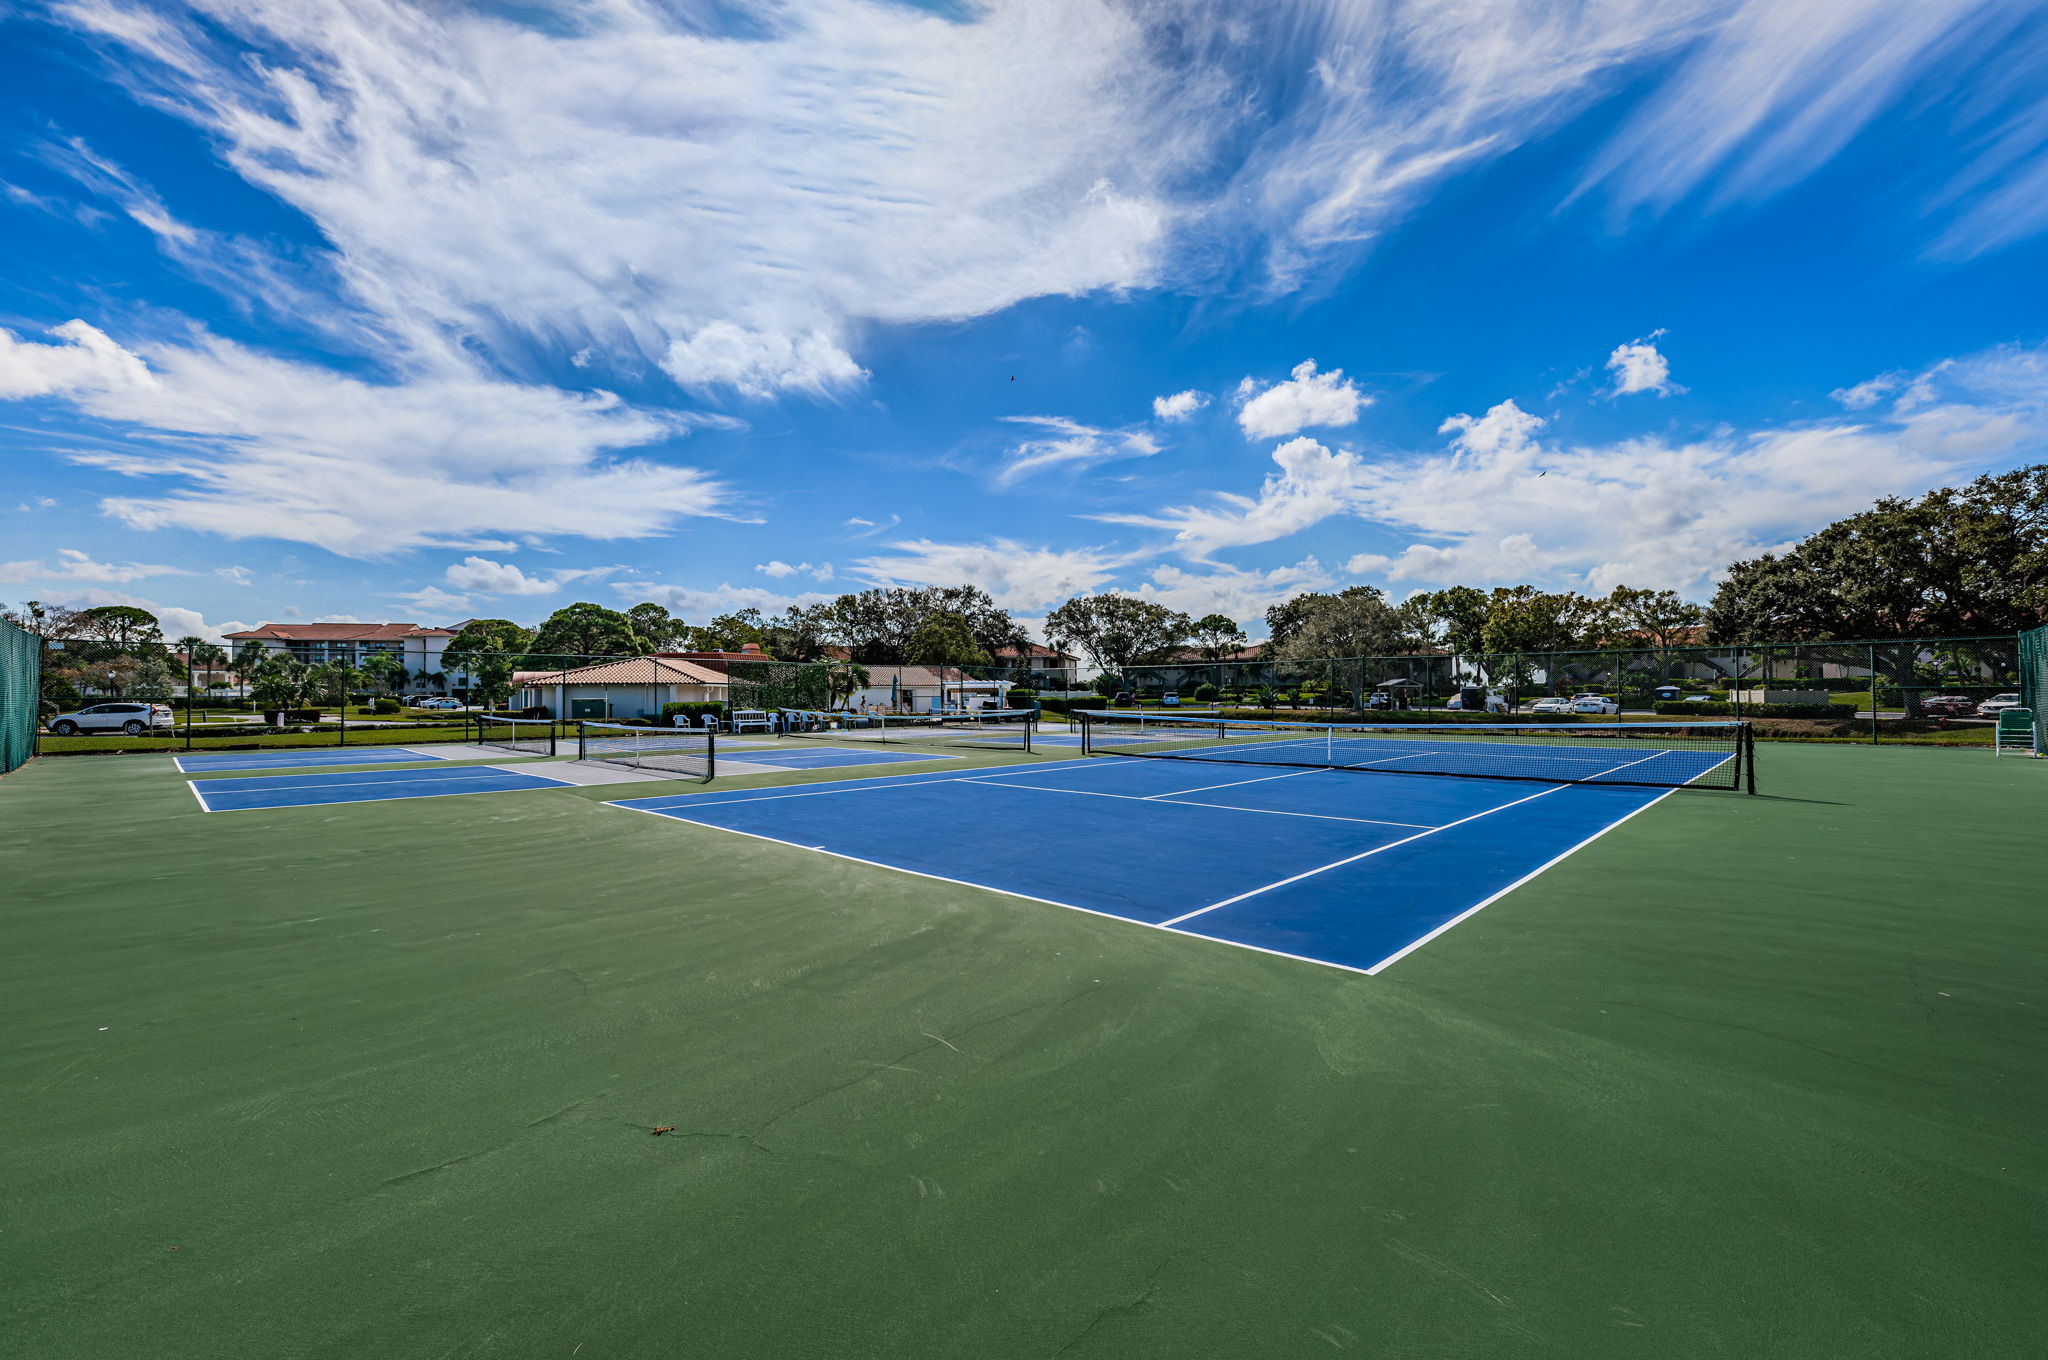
point(530, 736)
point(676, 752)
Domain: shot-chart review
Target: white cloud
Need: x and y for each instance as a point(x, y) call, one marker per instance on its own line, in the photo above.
point(1305, 400)
point(1638, 366)
point(176, 620)
point(241, 576)
point(1016, 575)
point(263, 447)
point(1180, 405)
point(87, 361)
point(1868, 393)
point(779, 570)
point(1501, 504)
point(434, 601)
point(1242, 594)
point(1069, 442)
point(868, 528)
point(73, 565)
point(497, 578)
point(1312, 484)
point(690, 602)
point(758, 364)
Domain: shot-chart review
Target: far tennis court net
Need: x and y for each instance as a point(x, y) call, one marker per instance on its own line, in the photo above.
point(1711, 755)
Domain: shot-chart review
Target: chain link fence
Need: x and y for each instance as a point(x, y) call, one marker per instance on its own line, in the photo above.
point(1936, 688)
point(215, 695)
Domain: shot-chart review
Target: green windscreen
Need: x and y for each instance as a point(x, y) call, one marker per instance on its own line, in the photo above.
point(2034, 670)
point(21, 656)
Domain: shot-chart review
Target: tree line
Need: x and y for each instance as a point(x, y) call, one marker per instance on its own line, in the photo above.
point(1956, 561)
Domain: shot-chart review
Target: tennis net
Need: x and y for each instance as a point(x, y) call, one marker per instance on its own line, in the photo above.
point(1714, 755)
point(997, 730)
point(532, 736)
point(679, 752)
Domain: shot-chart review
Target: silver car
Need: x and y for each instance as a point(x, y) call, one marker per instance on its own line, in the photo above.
point(132, 718)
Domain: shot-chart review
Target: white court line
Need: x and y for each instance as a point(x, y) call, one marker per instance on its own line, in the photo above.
point(880, 781)
point(1378, 850)
point(1206, 788)
point(983, 887)
point(1473, 910)
point(1166, 801)
point(193, 785)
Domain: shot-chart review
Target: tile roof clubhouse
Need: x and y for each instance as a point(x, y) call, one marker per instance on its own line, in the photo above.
point(337, 632)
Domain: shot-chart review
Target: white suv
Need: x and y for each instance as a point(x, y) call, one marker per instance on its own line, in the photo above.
point(134, 719)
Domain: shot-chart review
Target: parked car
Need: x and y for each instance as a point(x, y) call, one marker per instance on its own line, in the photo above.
point(1594, 703)
point(1949, 706)
point(132, 718)
point(1551, 705)
point(1997, 704)
point(1494, 703)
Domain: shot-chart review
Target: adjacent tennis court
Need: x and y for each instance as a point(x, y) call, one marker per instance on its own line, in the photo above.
point(363, 786)
point(1319, 864)
point(306, 759)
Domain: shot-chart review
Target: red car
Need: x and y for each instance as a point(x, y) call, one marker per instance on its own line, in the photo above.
point(1948, 706)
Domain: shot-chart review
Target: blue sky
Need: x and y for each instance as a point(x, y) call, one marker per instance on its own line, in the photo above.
point(373, 311)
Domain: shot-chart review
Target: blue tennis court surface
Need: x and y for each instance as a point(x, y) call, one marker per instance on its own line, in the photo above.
point(205, 763)
point(362, 786)
point(832, 757)
point(1329, 866)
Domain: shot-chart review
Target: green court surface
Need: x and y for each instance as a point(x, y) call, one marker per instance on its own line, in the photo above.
point(1747, 1077)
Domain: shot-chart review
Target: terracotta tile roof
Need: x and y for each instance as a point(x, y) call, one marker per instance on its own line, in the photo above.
point(339, 632)
point(628, 670)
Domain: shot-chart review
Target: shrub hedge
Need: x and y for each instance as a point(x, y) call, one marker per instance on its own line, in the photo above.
point(1676, 709)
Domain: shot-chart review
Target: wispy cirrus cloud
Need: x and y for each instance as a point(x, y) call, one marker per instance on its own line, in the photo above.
point(74, 565)
point(1772, 91)
point(1068, 443)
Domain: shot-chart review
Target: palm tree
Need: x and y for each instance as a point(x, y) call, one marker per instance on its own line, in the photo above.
point(248, 659)
point(200, 656)
point(341, 675)
point(385, 671)
point(844, 680)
